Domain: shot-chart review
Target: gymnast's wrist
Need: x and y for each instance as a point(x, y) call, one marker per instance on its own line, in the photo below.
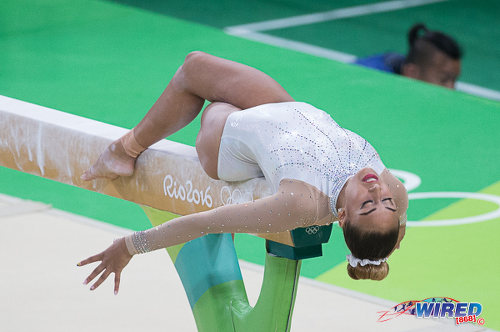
point(137, 243)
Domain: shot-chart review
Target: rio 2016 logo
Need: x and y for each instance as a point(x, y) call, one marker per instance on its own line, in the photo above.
point(186, 192)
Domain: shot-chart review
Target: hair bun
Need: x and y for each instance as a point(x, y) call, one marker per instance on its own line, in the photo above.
point(416, 32)
point(370, 271)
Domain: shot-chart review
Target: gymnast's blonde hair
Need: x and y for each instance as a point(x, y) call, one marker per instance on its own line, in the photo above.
point(370, 271)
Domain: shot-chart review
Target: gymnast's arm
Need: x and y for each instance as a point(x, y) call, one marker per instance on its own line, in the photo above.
point(296, 204)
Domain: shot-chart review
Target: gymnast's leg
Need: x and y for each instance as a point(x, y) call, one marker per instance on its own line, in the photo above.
point(201, 77)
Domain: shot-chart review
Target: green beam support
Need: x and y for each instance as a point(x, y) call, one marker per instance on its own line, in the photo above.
point(210, 272)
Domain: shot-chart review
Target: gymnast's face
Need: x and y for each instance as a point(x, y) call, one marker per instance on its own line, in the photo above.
point(369, 204)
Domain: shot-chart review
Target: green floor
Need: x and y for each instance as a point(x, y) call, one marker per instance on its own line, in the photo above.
point(472, 22)
point(109, 62)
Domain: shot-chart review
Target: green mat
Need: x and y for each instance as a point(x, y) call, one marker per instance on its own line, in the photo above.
point(109, 62)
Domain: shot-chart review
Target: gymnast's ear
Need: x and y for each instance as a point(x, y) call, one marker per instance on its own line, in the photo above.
point(342, 217)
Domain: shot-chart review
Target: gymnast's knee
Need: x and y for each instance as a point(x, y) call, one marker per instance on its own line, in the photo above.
point(214, 116)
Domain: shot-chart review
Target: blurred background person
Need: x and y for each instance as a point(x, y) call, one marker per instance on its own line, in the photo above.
point(433, 57)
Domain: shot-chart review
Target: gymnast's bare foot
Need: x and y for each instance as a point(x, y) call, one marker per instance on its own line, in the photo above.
point(112, 163)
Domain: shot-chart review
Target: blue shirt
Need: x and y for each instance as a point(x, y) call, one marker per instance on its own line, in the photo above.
point(388, 62)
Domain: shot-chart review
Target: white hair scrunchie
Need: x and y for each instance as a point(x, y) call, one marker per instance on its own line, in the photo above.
point(354, 261)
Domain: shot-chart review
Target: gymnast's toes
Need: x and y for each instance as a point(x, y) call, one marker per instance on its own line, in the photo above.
point(109, 168)
point(86, 176)
point(98, 171)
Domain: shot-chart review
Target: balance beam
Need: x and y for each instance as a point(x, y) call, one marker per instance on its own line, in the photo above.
point(168, 176)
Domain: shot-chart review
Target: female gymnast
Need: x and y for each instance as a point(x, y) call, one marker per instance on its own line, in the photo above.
point(319, 171)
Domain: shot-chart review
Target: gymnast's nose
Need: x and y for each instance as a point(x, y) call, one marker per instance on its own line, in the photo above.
point(375, 190)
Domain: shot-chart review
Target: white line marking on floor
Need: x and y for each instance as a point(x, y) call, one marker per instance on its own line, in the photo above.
point(300, 47)
point(328, 16)
point(456, 221)
point(478, 90)
point(346, 58)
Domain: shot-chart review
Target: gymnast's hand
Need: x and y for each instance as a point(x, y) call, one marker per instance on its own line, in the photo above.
point(113, 260)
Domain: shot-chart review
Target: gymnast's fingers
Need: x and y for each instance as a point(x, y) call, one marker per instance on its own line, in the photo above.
point(91, 259)
point(99, 281)
point(117, 282)
point(94, 273)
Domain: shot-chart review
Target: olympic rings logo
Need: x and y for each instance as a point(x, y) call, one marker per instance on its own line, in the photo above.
point(234, 197)
point(412, 181)
point(311, 230)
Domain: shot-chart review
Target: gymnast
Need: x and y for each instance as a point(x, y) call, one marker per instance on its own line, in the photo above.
point(319, 172)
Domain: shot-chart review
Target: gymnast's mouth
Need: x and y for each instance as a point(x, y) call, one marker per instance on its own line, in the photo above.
point(369, 178)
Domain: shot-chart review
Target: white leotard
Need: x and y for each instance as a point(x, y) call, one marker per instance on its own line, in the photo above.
point(293, 140)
